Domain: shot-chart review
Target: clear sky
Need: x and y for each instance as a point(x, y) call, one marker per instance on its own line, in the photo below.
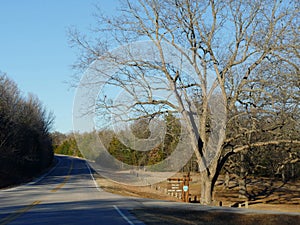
point(34, 49)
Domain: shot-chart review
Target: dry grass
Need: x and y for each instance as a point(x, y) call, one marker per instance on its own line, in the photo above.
point(267, 195)
point(135, 191)
point(181, 217)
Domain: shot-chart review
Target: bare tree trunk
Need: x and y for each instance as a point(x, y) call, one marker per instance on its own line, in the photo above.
point(283, 178)
point(242, 179)
point(293, 171)
point(206, 189)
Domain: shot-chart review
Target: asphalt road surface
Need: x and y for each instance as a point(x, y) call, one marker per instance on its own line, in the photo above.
point(67, 194)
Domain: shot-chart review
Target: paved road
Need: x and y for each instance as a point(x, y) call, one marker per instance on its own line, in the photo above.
point(66, 195)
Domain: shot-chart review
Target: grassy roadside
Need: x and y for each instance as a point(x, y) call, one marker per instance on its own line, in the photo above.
point(284, 199)
point(134, 191)
point(165, 216)
point(168, 216)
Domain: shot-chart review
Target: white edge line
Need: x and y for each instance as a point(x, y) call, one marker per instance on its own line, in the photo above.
point(99, 189)
point(96, 184)
point(122, 214)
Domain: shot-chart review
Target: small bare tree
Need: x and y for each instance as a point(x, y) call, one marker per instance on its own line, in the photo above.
point(228, 47)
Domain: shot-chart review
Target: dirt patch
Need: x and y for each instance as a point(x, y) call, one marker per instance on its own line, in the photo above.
point(181, 217)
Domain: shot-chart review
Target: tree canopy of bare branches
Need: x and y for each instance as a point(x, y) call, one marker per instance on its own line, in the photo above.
point(236, 77)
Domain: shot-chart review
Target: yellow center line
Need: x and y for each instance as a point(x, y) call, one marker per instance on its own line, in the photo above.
point(18, 213)
point(21, 211)
point(64, 181)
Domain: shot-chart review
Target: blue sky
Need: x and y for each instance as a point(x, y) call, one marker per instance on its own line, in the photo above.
point(34, 49)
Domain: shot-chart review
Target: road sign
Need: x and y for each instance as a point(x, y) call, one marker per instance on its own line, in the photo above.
point(185, 188)
point(179, 186)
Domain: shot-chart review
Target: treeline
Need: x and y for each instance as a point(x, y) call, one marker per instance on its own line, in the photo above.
point(281, 160)
point(65, 144)
point(273, 161)
point(25, 142)
point(140, 129)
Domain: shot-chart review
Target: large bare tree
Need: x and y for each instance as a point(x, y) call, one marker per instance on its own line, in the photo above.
point(238, 52)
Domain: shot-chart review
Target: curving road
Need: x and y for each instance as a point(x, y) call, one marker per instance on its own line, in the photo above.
point(65, 195)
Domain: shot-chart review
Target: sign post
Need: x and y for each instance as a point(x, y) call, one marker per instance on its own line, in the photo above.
point(180, 187)
point(185, 187)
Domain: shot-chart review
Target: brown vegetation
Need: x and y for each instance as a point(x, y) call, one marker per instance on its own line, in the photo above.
point(283, 197)
point(168, 216)
point(269, 193)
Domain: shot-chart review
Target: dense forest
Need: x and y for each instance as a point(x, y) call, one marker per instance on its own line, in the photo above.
point(25, 141)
